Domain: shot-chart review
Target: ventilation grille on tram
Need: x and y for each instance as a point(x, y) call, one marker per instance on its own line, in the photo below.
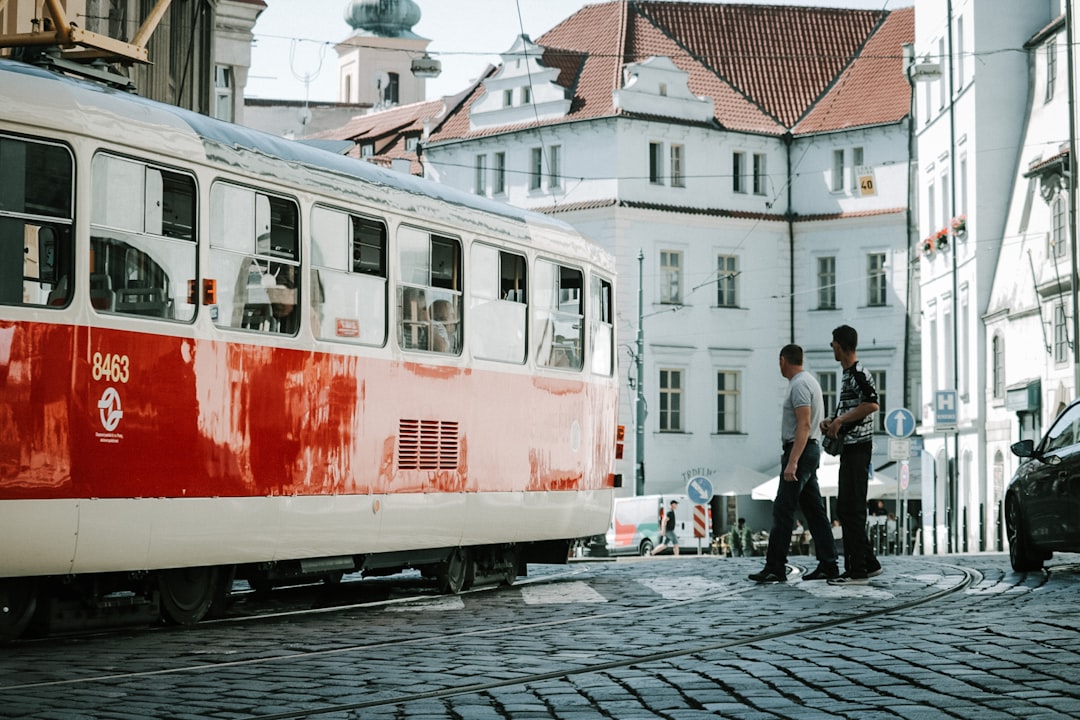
point(427, 445)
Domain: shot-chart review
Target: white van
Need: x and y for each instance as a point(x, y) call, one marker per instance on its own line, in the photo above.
point(635, 524)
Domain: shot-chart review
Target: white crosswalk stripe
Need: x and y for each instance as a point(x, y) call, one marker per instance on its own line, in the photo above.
point(683, 587)
point(560, 594)
point(441, 603)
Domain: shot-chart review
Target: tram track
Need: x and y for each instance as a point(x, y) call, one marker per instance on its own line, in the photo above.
point(966, 578)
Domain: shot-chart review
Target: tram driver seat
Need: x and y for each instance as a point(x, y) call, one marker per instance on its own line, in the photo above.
point(102, 296)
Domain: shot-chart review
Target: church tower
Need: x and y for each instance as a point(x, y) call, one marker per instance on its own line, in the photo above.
point(383, 62)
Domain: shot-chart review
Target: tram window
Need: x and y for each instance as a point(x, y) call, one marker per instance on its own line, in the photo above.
point(497, 310)
point(254, 249)
point(557, 315)
point(348, 277)
point(429, 294)
point(601, 327)
point(36, 248)
point(143, 252)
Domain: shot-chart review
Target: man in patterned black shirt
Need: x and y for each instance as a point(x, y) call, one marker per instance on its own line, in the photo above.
point(854, 424)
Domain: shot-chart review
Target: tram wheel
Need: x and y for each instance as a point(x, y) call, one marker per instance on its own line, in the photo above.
point(18, 601)
point(453, 572)
point(510, 569)
point(187, 593)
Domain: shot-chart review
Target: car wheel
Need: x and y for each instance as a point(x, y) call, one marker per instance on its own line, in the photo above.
point(1021, 555)
point(646, 547)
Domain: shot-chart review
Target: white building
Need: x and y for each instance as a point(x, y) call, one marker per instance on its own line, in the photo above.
point(764, 185)
point(980, 128)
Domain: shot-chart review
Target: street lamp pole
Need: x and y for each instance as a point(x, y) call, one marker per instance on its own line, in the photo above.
point(954, 470)
point(639, 361)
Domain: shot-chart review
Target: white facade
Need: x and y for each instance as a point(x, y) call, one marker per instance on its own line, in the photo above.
point(662, 183)
point(968, 126)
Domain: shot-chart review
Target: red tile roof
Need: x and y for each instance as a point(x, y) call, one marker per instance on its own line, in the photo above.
point(769, 69)
point(872, 89)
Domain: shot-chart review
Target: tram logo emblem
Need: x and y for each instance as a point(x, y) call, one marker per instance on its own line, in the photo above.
point(109, 406)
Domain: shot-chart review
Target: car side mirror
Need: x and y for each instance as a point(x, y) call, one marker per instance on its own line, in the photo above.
point(1024, 448)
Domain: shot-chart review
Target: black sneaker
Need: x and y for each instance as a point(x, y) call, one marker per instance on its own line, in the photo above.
point(849, 579)
point(823, 572)
point(874, 571)
point(767, 576)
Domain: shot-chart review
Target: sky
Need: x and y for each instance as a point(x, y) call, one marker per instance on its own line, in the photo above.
point(294, 59)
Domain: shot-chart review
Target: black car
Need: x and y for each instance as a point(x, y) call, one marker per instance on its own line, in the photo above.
point(1042, 504)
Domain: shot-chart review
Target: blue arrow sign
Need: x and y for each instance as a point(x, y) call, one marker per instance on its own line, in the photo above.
point(900, 423)
point(699, 490)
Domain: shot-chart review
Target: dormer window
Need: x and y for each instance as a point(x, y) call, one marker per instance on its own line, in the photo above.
point(411, 143)
point(367, 150)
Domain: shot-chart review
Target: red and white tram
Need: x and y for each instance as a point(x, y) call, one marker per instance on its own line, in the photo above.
point(227, 354)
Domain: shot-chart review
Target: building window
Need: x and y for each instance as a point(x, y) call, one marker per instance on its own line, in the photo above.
point(1058, 233)
point(671, 384)
point(943, 87)
point(878, 376)
point(480, 180)
point(677, 178)
point(508, 98)
point(827, 381)
point(727, 401)
point(759, 174)
point(1051, 68)
point(838, 171)
point(875, 279)
point(960, 52)
point(536, 168)
point(944, 200)
point(526, 95)
point(935, 379)
point(826, 283)
point(999, 366)
point(1061, 335)
point(367, 150)
point(727, 278)
point(393, 83)
point(856, 163)
point(671, 277)
point(223, 93)
point(962, 180)
point(499, 172)
point(411, 144)
point(931, 206)
point(738, 168)
point(656, 163)
point(555, 167)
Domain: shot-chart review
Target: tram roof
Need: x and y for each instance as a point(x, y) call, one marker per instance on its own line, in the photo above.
point(208, 129)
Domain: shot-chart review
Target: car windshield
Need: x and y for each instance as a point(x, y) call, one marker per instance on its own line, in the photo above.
point(1064, 431)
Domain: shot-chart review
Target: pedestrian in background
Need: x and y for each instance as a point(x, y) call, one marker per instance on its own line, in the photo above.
point(741, 542)
point(801, 413)
point(667, 531)
point(854, 425)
